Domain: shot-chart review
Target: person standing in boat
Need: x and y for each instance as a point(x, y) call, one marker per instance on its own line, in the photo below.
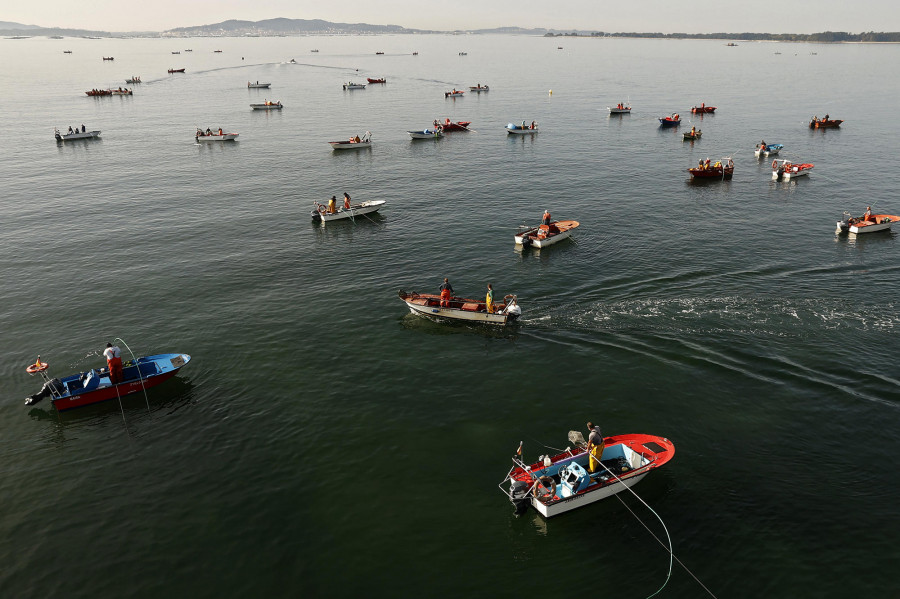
point(489, 299)
point(446, 293)
point(594, 447)
point(545, 220)
point(332, 205)
point(113, 356)
point(346, 201)
point(868, 214)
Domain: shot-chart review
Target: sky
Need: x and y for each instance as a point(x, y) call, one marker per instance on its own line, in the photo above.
point(666, 16)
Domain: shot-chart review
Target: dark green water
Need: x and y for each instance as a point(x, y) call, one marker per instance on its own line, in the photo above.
point(323, 442)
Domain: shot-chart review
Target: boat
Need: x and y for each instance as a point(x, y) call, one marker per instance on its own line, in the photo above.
point(267, 106)
point(435, 133)
point(99, 92)
point(703, 109)
point(688, 136)
point(67, 51)
point(463, 53)
point(258, 85)
point(731, 44)
point(454, 94)
point(522, 129)
point(479, 88)
point(108, 58)
point(351, 85)
point(560, 483)
point(379, 53)
point(94, 386)
point(200, 136)
point(670, 121)
point(176, 52)
point(543, 235)
point(866, 224)
point(721, 169)
point(381, 80)
point(75, 135)
point(767, 150)
point(787, 170)
point(134, 79)
point(217, 51)
point(120, 92)
point(320, 211)
point(461, 309)
point(313, 50)
point(620, 108)
point(826, 123)
point(449, 125)
point(176, 70)
point(188, 50)
point(354, 143)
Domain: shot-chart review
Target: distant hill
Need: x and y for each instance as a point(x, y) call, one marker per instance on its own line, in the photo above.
point(286, 27)
point(16, 26)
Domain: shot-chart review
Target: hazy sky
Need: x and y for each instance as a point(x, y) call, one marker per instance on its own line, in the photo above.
point(667, 16)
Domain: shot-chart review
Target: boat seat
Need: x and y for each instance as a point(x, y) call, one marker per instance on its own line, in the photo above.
point(470, 307)
point(419, 301)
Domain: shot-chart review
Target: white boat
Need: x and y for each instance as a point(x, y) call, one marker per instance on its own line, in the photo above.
point(768, 150)
point(75, 135)
point(863, 224)
point(267, 106)
point(454, 94)
point(557, 484)
point(351, 85)
point(120, 92)
point(479, 88)
point(787, 170)
point(620, 109)
point(354, 143)
point(258, 85)
point(201, 137)
point(135, 79)
point(320, 211)
point(427, 134)
point(544, 235)
point(430, 306)
point(522, 129)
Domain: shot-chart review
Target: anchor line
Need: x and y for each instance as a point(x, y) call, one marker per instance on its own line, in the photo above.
point(140, 376)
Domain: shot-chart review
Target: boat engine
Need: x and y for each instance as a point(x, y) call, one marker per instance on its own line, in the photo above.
point(844, 225)
point(519, 495)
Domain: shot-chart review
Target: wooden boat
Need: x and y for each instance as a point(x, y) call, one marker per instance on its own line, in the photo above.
point(120, 92)
point(133, 80)
point(99, 92)
point(670, 121)
point(522, 129)
point(449, 125)
point(67, 51)
point(217, 51)
point(320, 211)
point(381, 80)
point(351, 85)
point(354, 143)
point(479, 88)
point(620, 109)
point(176, 70)
point(267, 106)
point(461, 309)
point(435, 133)
point(817, 123)
point(75, 135)
point(863, 224)
point(557, 484)
point(176, 52)
point(258, 85)
point(108, 58)
point(379, 53)
point(703, 109)
point(94, 386)
point(543, 235)
point(787, 170)
point(454, 94)
point(721, 169)
point(688, 136)
point(767, 150)
point(202, 137)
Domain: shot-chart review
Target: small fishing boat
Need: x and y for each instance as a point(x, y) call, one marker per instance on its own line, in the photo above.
point(267, 106)
point(176, 70)
point(620, 108)
point(94, 386)
point(176, 52)
point(135, 79)
point(787, 170)
point(543, 235)
point(379, 53)
point(67, 51)
point(217, 51)
point(731, 44)
point(351, 85)
point(108, 58)
point(463, 53)
point(703, 109)
point(461, 309)
point(767, 150)
point(866, 224)
point(688, 136)
point(354, 143)
point(556, 484)
point(99, 92)
point(188, 50)
point(381, 80)
point(449, 125)
point(670, 121)
point(826, 123)
point(75, 135)
point(721, 169)
point(320, 211)
point(522, 129)
point(202, 137)
point(435, 133)
point(313, 50)
point(454, 94)
point(479, 88)
point(120, 92)
point(258, 85)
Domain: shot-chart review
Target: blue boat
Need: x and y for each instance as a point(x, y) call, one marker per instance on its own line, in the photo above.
point(767, 150)
point(670, 121)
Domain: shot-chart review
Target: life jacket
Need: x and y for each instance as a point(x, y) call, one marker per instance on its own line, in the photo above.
point(543, 231)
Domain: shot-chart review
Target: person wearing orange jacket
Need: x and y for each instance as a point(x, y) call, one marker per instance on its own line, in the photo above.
point(446, 292)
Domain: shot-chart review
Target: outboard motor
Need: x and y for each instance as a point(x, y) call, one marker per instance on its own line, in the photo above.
point(844, 223)
point(518, 494)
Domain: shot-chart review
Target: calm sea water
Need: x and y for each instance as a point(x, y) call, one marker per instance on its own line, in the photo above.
point(323, 442)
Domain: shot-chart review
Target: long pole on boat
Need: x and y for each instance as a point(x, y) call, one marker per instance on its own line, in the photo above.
point(140, 376)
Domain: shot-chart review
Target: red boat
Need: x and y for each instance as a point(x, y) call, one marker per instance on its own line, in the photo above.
point(382, 80)
point(449, 125)
point(99, 92)
point(817, 123)
point(703, 109)
point(176, 70)
point(721, 169)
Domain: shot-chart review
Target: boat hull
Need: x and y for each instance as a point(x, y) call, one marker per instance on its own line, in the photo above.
point(712, 173)
point(703, 109)
point(882, 222)
point(266, 106)
point(426, 134)
point(212, 138)
point(478, 90)
point(669, 122)
point(74, 136)
point(258, 85)
point(694, 137)
point(346, 145)
point(825, 124)
point(791, 172)
point(352, 212)
point(618, 110)
point(520, 131)
point(771, 150)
